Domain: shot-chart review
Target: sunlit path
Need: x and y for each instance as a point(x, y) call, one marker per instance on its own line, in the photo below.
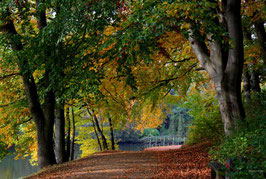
point(160, 162)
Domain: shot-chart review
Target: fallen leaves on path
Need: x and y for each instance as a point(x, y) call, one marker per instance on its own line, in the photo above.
point(188, 162)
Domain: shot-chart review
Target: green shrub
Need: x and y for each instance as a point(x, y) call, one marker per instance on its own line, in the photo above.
point(246, 147)
point(206, 123)
point(150, 132)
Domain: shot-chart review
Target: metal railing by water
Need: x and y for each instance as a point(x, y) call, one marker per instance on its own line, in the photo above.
point(156, 141)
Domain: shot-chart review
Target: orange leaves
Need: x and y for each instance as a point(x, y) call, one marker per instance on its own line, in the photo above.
point(253, 57)
point(255, 10)
point(189, 162)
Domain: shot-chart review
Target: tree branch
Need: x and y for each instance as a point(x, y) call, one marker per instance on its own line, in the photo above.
point(42, 21)
point(178, 61)
point(23, 122)
point(9, 75)
point(166, 81)
point(8, 104)
point(199, 48)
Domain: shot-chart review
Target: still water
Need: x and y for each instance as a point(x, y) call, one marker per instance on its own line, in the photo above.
point(14, 169)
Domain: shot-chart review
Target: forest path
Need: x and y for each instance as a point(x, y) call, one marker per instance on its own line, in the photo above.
point(164, 162)
point(117, 164)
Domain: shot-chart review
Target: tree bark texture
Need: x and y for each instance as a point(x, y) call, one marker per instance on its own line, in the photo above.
point(97, 136)
point(246, 86)
point(225, 67)
point(255, 81)
point(105, 146)
point(96, 122)
point(73, 136)
point(42, 120)
point(60, 151)
point(261, 34)
point(112, 133)
point(44, 125)
point(68, 140)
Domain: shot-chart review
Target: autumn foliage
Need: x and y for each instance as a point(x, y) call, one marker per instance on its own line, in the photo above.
point(188, 162)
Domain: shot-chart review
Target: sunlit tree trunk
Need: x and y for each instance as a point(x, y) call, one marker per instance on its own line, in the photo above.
point(60, 151)
point(225, 67)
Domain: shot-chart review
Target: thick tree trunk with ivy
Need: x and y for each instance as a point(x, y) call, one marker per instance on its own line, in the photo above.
point(225, 67)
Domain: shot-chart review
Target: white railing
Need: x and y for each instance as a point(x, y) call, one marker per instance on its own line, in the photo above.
point(156, 141)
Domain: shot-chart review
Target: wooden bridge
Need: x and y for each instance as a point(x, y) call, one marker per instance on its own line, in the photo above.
point(156, 141)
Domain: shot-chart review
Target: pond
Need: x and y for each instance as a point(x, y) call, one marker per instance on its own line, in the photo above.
point(13, 169)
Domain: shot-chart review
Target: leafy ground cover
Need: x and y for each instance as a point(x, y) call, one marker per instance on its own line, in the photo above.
point(187, 162)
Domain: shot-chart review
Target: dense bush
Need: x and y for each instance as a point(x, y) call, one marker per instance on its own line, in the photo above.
point(150, 132)
point(246, 148)
point(206, 123)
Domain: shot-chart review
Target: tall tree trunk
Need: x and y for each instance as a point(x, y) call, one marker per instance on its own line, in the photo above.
point(68, 141)
point(225, 67)
point(255, 81)
point(105, 146)
point(60, 150)
point(73, 137)
point(49, 109)
point(96, 122)
point(43, 119)
point(180, 126)
point(44, 124)
point(254, 77)
point(246, 86)
point(112, 133)
point(97, 136)
point(260, 31)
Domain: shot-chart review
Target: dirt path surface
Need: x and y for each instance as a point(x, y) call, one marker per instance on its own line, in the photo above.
point(121, 164)
point(164, 162)
point(164, 148)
